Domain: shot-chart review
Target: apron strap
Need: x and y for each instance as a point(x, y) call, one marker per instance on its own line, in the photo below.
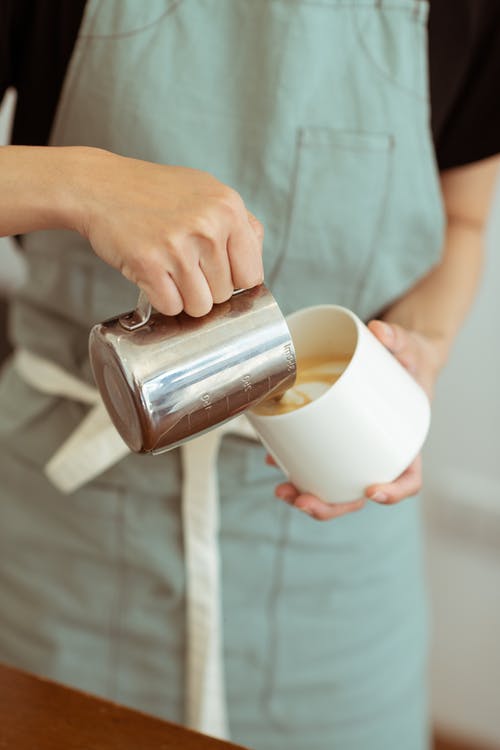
point(206, 703)
point(92, 447)
point(47, 377)
point(95, 446)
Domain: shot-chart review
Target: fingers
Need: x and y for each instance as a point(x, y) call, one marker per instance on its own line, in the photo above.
point(315, 507)
point(164, 295)
point(171, 292)
point(197, 270)
point(257, 227)
point(215, 267)
point(244, 250)
point(224, 253)
point(228, 260)
point(189, 278)
point(398, 341)
point(390, 335)
point(406, 485)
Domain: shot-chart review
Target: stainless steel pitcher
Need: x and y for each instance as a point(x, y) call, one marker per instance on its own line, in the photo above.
point(166, 379)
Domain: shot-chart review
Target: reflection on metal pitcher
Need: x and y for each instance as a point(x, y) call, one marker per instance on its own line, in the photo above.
point(166, 379)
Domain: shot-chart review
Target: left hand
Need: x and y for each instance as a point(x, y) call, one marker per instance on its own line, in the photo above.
point(421, 355)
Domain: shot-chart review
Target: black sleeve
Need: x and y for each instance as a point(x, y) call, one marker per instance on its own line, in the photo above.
point(36, 42)
point(37, 38)
point(464, 66)
point(7, 39)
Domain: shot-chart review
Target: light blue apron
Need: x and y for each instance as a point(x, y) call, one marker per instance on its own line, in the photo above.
point(316, 111)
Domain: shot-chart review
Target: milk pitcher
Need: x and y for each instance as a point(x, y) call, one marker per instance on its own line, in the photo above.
point(166, 379)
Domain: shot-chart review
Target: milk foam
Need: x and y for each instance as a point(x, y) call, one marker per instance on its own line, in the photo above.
point(315, 376)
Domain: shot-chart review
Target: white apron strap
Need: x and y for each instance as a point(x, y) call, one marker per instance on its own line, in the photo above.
point(47, 377)
point(93, 447)
point(206, 704)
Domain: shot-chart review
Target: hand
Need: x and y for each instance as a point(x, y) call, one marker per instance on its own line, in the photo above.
point(422, 355)
point(182, 236)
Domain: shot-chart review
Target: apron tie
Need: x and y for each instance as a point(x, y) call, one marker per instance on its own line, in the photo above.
point(95, 446)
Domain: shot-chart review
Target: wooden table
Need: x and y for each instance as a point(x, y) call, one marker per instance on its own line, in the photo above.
point(36, 714)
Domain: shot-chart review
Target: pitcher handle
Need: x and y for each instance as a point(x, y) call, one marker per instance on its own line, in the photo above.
point(142, 313)
point(138, 317)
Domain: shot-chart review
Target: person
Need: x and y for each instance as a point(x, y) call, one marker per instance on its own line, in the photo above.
point(174, 124)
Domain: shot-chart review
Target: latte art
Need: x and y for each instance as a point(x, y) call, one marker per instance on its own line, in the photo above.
point(315, 375)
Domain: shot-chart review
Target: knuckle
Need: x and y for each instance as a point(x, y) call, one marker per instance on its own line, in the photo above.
point(213, 250)
point(170, 243)
point(231, 202)
point(257, 226)
point(206, 226)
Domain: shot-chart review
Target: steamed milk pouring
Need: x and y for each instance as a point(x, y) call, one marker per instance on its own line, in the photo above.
point(315, 375)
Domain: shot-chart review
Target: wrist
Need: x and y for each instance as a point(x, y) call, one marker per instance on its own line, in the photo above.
point(41, 188)
point(76, 190)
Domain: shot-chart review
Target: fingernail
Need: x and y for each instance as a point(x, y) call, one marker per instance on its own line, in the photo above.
point(379, 497)
point(387, 330)
point(284, 494)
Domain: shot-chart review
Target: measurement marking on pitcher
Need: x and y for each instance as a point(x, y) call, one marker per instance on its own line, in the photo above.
point(247, 383)
point(290, 358)
point(206, 400)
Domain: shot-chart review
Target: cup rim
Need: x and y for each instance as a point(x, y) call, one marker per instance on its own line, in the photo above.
point(354, 356)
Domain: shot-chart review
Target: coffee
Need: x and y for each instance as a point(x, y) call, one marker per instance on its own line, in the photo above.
point(315, 375)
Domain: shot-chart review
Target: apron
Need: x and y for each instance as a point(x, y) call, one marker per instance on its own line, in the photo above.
point(316, 111)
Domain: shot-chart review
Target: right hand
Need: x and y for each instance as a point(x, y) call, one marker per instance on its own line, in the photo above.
point(182, 236)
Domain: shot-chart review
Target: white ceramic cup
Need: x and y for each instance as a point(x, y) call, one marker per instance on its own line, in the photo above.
point(366, 428)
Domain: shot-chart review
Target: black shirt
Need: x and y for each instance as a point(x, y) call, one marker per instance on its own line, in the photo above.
point(37, 38)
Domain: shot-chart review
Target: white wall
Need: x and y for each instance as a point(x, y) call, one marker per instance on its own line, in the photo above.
point(462, 500)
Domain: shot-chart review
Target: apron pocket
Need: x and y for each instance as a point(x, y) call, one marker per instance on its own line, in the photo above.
point(339, 192)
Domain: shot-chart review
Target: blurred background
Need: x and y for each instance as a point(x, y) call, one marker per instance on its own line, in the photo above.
point(461, 504)
point(462, 512)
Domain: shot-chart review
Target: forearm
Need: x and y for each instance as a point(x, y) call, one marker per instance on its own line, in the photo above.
point(437, 305)
point(181, 235)
point(36, 188)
